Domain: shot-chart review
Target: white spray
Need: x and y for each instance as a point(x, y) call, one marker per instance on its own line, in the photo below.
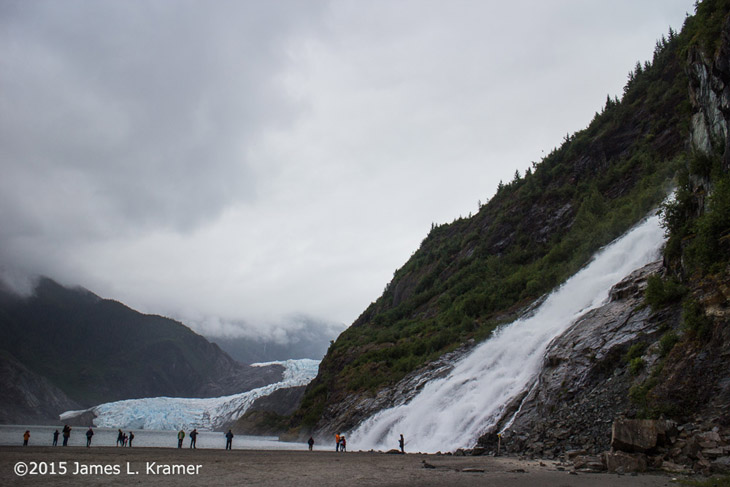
point(452, 412)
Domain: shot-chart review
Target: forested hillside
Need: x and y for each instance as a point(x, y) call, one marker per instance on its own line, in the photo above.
point(469, 276)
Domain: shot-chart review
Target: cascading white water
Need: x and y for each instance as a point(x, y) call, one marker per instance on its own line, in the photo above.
point(452, 412)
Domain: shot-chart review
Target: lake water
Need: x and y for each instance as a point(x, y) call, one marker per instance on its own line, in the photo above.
point(43, 436)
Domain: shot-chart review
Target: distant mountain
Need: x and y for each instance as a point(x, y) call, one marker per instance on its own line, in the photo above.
point(310, 340)
point(82, 350)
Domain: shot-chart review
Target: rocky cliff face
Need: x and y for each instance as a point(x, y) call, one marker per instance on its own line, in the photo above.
point(614, 363)
point(269, 415)
point(28, 397)
point(586, 377)
point(709, 75)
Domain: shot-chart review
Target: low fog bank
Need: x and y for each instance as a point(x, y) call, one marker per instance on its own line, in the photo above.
point(291, 337)
point(296, 337)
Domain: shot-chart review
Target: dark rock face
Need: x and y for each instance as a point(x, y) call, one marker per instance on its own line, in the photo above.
point(642, 435)
point(269, 415)
point(240, 378)
point(710, 98)
point(622, 462)
point(580, 408)
point(27, 397)
point(583, 385)
point(282, 401)
point(660, 444)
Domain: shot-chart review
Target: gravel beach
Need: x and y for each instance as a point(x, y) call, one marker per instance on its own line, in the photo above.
point(268, 468)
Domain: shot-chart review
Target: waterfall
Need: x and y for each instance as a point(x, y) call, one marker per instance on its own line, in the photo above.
point(452, 412)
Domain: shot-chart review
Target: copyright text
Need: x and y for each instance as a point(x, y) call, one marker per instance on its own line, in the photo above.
point(21, 469)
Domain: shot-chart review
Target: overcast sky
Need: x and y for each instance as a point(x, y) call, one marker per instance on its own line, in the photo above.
point(248, 161)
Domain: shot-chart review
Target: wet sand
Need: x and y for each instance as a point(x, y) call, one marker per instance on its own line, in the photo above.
point(269, 468)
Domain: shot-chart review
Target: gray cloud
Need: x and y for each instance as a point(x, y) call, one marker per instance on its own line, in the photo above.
point(241, 161)
point(147, 109)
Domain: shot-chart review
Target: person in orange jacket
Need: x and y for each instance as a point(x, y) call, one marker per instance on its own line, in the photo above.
point(337, 442)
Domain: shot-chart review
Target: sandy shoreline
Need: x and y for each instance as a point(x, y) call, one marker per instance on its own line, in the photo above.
point(268, 468)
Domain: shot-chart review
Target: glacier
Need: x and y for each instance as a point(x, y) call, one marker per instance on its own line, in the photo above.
point(174, 413)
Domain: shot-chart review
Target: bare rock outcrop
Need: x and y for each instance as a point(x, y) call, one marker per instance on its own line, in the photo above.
point(584, 381)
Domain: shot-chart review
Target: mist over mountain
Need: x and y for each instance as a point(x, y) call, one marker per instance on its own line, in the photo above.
point(77, 349)
point(301, 337)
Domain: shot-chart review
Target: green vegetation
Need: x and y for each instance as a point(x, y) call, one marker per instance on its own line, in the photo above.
point(636, 351)
point(638, 394)
point(634, 358)
point(667, 343)
point(636, 365)
point(662, 292)
point(700, 236)
point(695, 322)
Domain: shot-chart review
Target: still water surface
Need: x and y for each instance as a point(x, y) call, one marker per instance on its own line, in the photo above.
point(43, 436)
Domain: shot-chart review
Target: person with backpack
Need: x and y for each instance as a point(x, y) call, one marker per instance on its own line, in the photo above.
point(229, 440)
point(193, 437)
point(66, 434)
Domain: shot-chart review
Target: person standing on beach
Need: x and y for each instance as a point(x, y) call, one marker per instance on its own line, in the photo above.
point(131, 437)
point(26, 437)
point(343, 444)
point(229, 440)
point(55, 438)
point(120, 438)
point(180, 438)
point(402, 444)
point(311, 443)
point(337, 442)
point(89, 434)
point(193, 437)
point(66, 434)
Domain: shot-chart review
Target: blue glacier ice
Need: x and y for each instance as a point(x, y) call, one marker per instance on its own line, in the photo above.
point(173, 413)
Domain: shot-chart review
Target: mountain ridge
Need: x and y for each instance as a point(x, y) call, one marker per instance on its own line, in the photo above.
point(97, 350)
